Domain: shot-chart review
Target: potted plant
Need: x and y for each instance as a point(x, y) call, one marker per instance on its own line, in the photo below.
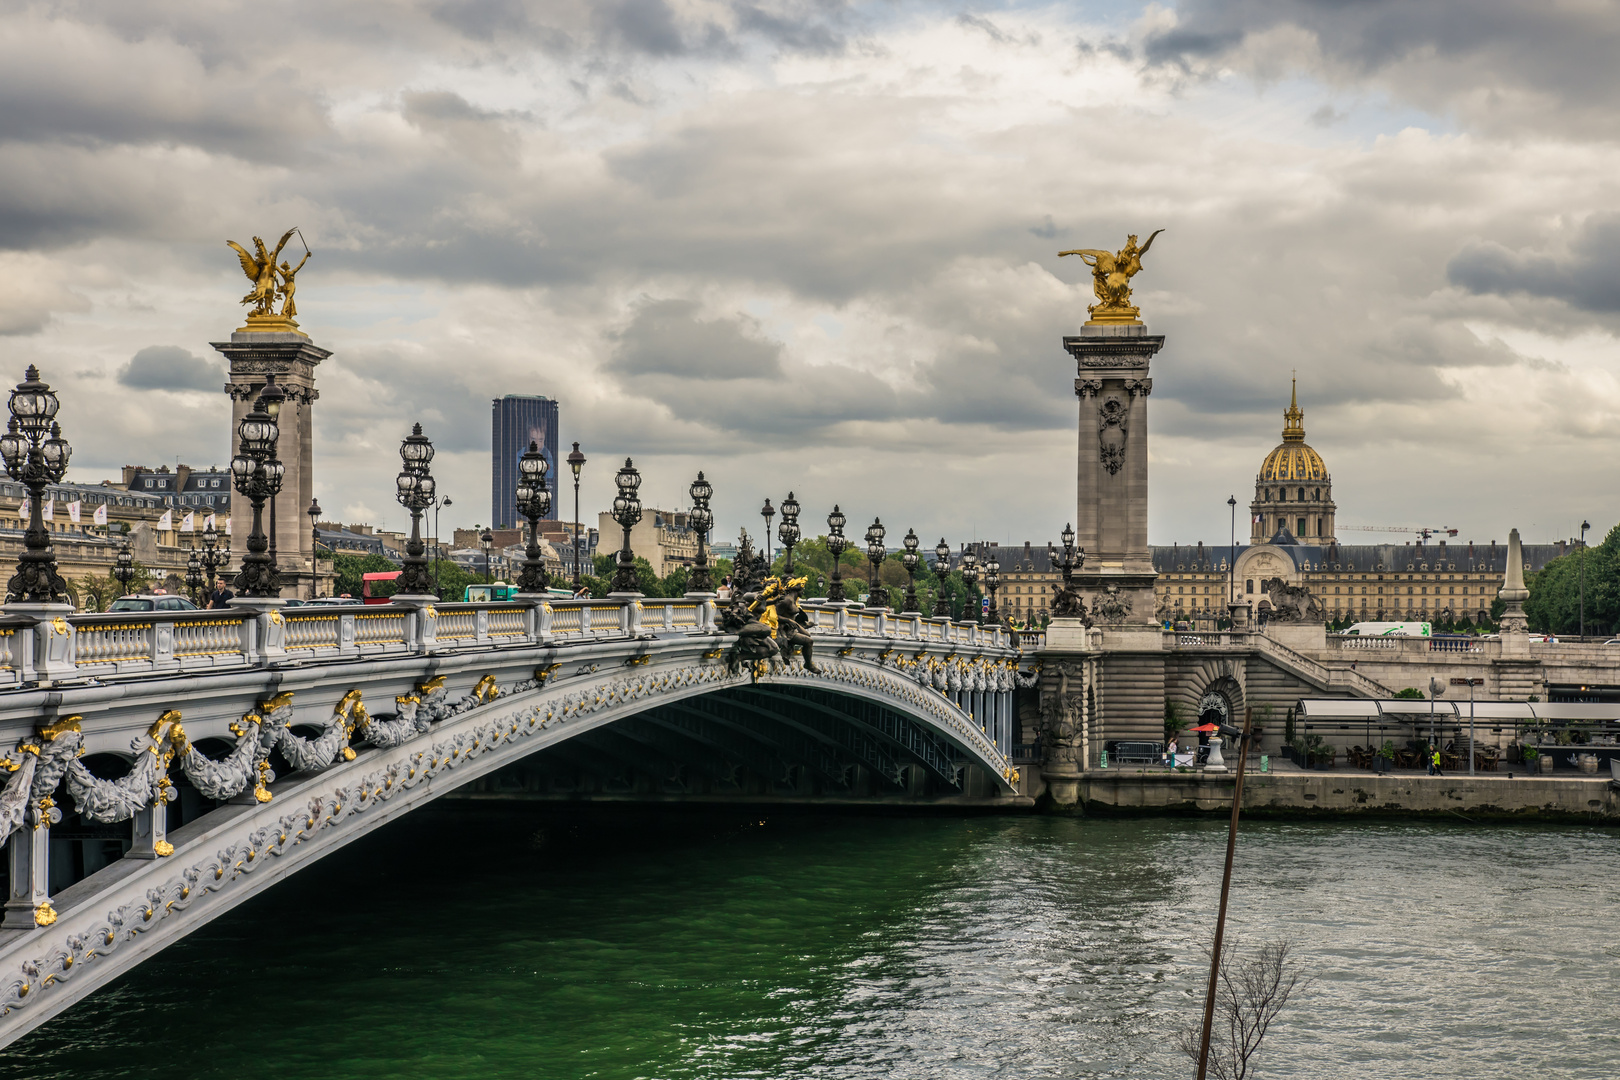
point(1384, 759)
point(1325, 755)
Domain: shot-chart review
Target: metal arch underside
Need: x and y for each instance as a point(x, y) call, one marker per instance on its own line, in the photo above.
point(768, 730)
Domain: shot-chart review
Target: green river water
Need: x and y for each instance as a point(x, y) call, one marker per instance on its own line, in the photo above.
point(651, 943)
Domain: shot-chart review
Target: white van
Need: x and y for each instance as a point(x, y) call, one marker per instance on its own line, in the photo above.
point(1389, 629)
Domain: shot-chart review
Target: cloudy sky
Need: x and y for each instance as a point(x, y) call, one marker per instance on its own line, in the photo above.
point(812, 244)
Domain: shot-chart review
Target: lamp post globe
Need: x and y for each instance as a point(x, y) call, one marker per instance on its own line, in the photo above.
point(911, 561)
point(942, 569)
point(970, 578)
point(701, 520)
point(257, 475)
point(992, 581)
point(627, 512)
point(534, 503)
point(877, 595)
point(35, 455)
point(788, 531)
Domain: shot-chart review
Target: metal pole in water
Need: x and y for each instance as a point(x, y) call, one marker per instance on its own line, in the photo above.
point(1226, 888)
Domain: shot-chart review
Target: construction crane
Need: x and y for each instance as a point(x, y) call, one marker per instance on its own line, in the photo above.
point(1418, 530)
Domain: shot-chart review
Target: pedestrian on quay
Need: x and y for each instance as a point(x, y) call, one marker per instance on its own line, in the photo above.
point(1434, 761)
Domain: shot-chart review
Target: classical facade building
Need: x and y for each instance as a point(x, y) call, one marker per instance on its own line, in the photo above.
point(662, 537)
point(1292, 538)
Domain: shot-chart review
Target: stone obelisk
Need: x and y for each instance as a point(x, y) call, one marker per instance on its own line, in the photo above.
point(269, 344)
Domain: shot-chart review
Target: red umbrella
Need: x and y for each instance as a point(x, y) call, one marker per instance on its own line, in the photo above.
point(1206, 727)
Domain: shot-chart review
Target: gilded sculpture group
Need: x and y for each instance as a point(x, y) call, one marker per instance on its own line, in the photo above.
point(260, 267)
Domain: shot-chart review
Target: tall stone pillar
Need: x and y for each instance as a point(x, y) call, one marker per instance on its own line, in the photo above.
point(292, 358)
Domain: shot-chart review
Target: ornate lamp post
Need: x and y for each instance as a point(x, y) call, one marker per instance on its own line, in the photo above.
point(877, 596)
point(214, 557)
point(701, 520)
point(767, 512)
point(970, 578)
point(626, 511)
point(1067, 603)
point(576, 461)
point(534, 503)
point(911, 560)
point(416, 489)
point(257, 474)
point(788, 531)
point(992, 581)
point(314, 513)
point(942, 567)
point(1584, 526)
point(486, 540)
point(194, 575)
point(35, 455)
point(124, 569)
point(836, 546)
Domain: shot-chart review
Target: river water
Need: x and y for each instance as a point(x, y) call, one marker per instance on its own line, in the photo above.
point(488, 943)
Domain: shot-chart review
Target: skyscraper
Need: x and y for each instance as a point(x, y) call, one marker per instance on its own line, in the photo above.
point(515, 420)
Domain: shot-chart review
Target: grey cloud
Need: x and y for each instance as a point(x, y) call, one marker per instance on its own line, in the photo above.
point(1499, 62)
point(1588, 276)
point(169, 367)
point(1326, 116)
point(667, 337)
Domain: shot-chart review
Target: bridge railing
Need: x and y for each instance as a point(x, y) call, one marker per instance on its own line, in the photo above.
point(42, 646)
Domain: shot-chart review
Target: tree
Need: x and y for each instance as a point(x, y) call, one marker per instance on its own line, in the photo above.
point(348, 569)
point(1554, 606)
point(99, 591)
point(1250, 991)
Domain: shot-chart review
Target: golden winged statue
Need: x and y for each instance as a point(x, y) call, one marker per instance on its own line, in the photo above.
point(1111, 273)
point(260, 267)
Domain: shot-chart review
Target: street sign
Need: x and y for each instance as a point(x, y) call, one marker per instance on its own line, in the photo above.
point(1467, 682)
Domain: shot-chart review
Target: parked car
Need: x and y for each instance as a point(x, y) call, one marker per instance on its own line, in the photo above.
point(332, 601)
point(151, 602)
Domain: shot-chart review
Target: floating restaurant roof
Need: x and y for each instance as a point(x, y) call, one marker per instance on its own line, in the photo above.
point(1320, 709)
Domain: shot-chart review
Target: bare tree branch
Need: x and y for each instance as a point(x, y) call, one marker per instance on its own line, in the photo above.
point(1250, 991)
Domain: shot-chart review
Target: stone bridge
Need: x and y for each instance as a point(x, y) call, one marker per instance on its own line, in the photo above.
point(162, 768)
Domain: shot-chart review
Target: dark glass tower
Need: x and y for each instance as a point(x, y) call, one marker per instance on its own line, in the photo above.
point(515, 420)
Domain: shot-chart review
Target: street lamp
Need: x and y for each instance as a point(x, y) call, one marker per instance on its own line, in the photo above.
point(214, 558)
point(534, 503)
point(1584, 526)
point(576, 461)
point(35, 455)
point(877, 596)
point(416, 489)
point(942, 567)
point(788, 531)
point(314, 513)
point(1231, 561)
point(911, 560)
point(194, 574)
point(124, 570)
point(626, 511)
point(486, 540)
point(257, 474)
point(1067, 604)
point(438, 543)
point(970, 578)
point(702, 520)
point(273, 397)
point(836, 546)
point(992, 580)
point(767, 512)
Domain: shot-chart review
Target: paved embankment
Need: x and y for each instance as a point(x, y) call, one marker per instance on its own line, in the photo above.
point(1489, 797)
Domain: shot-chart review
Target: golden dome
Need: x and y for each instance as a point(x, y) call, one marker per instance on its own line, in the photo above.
point(1293, 460)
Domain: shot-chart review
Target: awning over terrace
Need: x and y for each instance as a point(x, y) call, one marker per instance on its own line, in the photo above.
point(1350, 710)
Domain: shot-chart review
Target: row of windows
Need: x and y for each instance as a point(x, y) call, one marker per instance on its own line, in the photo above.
point(163, 482)
point(1281, 495)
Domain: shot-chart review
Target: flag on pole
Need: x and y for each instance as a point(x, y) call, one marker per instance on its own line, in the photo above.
point(227, 526)
point(208, 522)
point(166, 522)
point(25, 508)
point(73, 511)
point(100, 517)
point(48, 510)
point(189, 522)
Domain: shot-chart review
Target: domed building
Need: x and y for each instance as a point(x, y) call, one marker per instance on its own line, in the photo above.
point(1293, 494)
